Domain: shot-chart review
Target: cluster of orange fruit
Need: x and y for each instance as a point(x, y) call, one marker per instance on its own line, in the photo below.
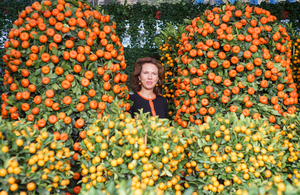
point(71, 62)
point(220, 156)
point(295, 60)
point(234, 60)
point(234, 151)
point(120, 147)
point(32, 156)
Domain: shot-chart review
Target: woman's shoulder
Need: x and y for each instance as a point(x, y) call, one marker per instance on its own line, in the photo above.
point(133, 96)
point(161, 98)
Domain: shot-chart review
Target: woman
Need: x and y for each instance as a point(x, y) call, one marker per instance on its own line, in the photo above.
point(146, 83)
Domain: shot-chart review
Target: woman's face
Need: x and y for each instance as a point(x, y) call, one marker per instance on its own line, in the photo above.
point(149, 76)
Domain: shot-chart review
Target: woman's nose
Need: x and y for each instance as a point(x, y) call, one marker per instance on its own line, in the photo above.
point(149, 76)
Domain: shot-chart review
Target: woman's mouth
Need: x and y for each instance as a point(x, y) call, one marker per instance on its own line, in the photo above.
point(149, 82)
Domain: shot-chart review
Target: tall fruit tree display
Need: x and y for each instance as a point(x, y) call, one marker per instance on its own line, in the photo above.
point(234, 59)
point(64, 69)
point(64, 66)
point(168, 43)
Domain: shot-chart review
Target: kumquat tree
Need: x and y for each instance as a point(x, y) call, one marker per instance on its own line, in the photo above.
point(145, 149)
point(65, 126)
point(295, 48)
point(33, 161)
point(168, 43)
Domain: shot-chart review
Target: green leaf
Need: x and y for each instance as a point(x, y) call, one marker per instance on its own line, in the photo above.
point(86, 63)
point(189, 191)
point(109, 64)
point(54, 51)
point(35, 36)
point(168, 172)
point(92, 191)
point(111, 187)
point(290, 89)
point(43, 191)
point(190, 178)
point(74, 2)
point(57, 125)
point(90, 20)
point(129, 126)
point(55, 86)
point(14, 146)
point(42, 51)
point(51, 76)
point(97, 7)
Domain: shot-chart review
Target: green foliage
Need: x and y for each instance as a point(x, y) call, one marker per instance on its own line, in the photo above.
point(288, 189)
point(125, 188)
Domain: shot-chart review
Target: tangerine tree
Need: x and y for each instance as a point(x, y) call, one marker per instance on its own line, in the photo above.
point(64, 65)
point(234, 58)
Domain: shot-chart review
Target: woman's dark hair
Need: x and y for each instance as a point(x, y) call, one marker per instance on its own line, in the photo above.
point(134, 80)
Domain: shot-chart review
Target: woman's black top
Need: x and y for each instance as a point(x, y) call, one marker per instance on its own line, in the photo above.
point(156, 106)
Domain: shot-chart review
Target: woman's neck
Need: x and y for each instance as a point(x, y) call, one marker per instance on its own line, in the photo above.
point(147, 93)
